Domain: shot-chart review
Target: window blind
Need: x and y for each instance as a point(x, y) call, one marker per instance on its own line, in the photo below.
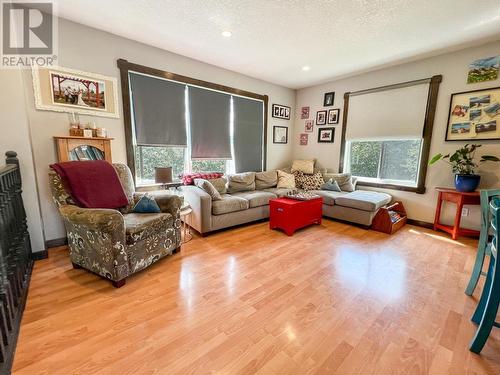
point(158, 108)
point(248, 136)
point(395, 113)
point(209, 117)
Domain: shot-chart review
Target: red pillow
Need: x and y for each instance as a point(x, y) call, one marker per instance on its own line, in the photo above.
point(188, 178)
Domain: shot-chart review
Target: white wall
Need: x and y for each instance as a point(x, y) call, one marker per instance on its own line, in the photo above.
point(453, 67)
point(92, 50)
point(14, 130)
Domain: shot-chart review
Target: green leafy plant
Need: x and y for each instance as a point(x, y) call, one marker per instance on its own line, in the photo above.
point(462, 161)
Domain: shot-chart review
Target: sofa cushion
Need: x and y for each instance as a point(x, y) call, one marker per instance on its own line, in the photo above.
point(364, 200)
point(207, 186)
point(141, 226)
point(241, 182)
point(308, 181)
point(305, 166)
point(331, 185)
point(220, 184)
point(329, 197)
point(279, 192)
point(345, 180)
point(229, 203)
point(266, 179)
point(285, 180)
point(188, 178)
point(256, 198)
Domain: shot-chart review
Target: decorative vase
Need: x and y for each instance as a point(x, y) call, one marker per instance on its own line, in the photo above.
point(466, 182)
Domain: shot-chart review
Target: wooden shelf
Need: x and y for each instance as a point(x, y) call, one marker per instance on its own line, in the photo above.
point(65, 144)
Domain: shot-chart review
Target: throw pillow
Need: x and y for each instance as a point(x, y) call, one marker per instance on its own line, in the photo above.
point(208, 187)
point(266, 179)
point(331, 185)
point(146, 205)
point(188, 178)
point(219, 184)
point(241, 182)
point(345, 181)
point(285, 180)
point(305, 166)
point(308, 181)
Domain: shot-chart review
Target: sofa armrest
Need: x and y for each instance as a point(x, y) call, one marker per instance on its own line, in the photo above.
point(96, 239)
point(201, 204)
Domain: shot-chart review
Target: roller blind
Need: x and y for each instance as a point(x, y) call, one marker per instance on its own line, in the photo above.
point(248, 134)
point(209, 117)
point(396, 113)
point(158, 108)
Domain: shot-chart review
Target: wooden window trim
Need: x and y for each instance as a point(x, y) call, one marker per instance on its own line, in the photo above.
point(430, 113)
point(126, 67)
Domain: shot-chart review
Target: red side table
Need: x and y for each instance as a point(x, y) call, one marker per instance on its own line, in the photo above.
point(292, 214)
point(460, 199)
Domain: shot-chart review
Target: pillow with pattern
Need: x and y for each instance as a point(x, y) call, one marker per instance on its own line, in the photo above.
point(309, 181)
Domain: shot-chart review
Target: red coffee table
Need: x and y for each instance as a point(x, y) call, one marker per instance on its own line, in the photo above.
point(291, 214)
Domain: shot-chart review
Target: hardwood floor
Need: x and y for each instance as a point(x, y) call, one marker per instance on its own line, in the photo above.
point(331, 299)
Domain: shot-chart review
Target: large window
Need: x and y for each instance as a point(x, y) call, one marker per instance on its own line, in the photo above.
point(385, 161)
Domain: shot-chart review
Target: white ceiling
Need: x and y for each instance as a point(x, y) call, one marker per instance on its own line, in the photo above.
point(273, 39)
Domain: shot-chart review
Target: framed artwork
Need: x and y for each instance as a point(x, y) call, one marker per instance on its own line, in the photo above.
point(67, 90)
point(303, 139)
point(309, 126)
point(321, 118)
point(333, 116)
point(329, 98)
point(326, 135)
point(474, 115)
point(281, 111)
point(483, 70)
point(280, 134)
point(304, 113)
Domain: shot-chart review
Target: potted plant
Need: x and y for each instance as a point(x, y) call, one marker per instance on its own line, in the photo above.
point(463, 165)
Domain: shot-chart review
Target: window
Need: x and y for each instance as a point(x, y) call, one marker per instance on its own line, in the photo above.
point(385, 161)
point(149, 157)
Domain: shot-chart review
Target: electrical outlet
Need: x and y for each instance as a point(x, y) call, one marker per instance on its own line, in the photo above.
point(465, 211)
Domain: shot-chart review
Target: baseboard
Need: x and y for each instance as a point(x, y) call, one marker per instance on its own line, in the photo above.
point(39, 255)
point(56, 242)
point(420, 223)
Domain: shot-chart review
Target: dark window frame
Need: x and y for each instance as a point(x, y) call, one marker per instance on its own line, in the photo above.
point(430, 113)
point(126, 67)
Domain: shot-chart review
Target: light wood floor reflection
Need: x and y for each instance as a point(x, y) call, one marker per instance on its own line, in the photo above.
point(331, 299)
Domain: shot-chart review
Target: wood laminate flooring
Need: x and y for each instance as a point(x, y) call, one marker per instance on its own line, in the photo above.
point(332, 299)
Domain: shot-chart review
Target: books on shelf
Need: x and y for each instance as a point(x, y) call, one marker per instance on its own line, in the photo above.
point(82, 153)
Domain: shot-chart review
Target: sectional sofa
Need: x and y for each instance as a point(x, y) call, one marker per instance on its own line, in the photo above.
point(235, 208)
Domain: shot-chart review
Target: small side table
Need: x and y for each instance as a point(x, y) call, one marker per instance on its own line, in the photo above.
point(460, 199)
point(186, 212)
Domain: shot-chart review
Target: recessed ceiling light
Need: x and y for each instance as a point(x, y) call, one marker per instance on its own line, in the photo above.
point(226, 34)
point(306, 68)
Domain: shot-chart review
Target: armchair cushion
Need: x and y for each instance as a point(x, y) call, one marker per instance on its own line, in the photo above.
point(141, 226)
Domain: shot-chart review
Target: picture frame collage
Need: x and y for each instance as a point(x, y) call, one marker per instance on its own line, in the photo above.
point(324, 117)
point(280, 133)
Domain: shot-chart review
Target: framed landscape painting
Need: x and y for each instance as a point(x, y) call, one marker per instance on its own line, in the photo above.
point(474, 115)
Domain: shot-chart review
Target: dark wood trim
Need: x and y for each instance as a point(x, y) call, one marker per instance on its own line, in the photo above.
point(126, 67)
point(39, 255)
point(419, 223)
point(56, 242)
point(430, 113)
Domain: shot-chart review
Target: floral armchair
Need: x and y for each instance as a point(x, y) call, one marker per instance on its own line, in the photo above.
point(118, 243)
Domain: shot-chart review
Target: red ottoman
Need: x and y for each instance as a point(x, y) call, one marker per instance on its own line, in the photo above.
point(291, 214)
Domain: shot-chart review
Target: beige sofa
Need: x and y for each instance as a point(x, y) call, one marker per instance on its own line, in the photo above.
point(238, 208)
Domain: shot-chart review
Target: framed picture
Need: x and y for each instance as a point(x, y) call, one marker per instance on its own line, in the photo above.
point(281, 111)
point(329, 98)
point(321, 118)
point(303, 139)
point(474, 115)
point(67, 90)
point(483, 70)
point(280, 134)
point(326, 135)
point(304, 113)
point(333, 116)
point(309, 126)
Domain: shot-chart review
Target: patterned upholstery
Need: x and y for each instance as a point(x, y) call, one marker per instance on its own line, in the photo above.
point(116, 244)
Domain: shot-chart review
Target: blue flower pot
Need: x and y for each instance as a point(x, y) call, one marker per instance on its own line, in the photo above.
point(466, 182)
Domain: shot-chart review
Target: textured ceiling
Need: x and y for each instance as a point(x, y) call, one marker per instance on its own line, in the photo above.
point(273, 39)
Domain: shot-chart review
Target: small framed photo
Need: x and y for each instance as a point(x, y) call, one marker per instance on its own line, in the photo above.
point(326, 135)
point(303, 139)
point(329, 98)
point(280, 134)
point(333, 116)
point(309, 126)
point(304, 113)
point(281, 111)
point(321, 118)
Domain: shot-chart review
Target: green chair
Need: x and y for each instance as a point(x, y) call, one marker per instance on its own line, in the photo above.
point(487, 307)
point(484, 245)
